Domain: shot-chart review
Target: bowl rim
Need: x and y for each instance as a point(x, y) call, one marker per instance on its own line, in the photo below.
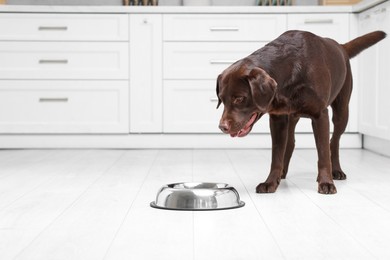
point(224, 186)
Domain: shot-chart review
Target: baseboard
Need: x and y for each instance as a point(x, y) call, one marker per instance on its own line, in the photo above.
point(377, 145)
point(159, 141)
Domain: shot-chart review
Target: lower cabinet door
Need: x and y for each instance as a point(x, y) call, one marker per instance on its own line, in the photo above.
point(64, 107)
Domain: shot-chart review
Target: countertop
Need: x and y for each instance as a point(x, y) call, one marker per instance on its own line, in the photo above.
point(365, 4)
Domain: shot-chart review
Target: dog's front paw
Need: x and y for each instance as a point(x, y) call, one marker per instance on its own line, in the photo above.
point(266, 187)
point(327, 188)
point(338, 175)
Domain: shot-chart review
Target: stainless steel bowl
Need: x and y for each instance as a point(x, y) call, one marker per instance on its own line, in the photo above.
point(197, 196)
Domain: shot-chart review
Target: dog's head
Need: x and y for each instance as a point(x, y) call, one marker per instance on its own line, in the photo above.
point(246, 94)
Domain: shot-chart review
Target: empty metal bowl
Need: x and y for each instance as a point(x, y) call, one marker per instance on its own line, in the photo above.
point(197, 196)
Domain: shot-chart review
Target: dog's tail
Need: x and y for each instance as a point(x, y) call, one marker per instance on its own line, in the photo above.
point(361, 43)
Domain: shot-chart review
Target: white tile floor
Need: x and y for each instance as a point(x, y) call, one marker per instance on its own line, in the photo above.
point(94, 204)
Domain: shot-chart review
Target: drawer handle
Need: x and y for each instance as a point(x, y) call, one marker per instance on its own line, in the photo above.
point(214, 99)
point(222, 61)
point(318, 21)
point(52, 28)
point(57, 100)
point(224, 29)
point(53, 61)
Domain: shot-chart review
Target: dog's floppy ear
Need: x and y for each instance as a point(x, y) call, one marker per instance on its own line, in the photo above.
point(219, 100)
point(263, 88)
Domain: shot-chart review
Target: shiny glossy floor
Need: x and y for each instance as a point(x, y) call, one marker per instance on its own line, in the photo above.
point(94, 204)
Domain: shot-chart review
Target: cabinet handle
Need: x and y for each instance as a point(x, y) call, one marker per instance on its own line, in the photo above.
point(224, 29)
point(382, 10)
point(366, 17)
point(222, 61)
point(52, 28)
point(53, 61)
point(214, 99)
point(43, 100)
point(318, 21)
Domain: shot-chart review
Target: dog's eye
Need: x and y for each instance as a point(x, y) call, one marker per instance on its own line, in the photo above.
point(238, 100)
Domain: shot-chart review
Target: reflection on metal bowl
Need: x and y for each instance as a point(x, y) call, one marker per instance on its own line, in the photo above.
point(197, 196)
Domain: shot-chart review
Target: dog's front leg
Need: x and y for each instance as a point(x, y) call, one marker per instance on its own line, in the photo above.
point(279, 127)
point(321, 134)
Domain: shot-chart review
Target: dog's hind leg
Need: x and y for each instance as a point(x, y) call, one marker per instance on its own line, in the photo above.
point(292, 122)
point(340, 121)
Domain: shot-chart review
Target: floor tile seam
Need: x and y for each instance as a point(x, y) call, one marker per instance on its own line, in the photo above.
point(39, 184)
point(15, 156)
point(331, 218)
point(257, 210)
point(45, 156)
point(130, 206)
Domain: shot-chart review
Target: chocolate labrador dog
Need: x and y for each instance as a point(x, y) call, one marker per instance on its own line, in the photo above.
point(299, 74)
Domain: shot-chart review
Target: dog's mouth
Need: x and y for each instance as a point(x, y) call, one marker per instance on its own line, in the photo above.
point(247, 126)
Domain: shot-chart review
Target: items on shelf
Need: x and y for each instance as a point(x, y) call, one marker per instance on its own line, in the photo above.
point(140, 2)
point(275, 2)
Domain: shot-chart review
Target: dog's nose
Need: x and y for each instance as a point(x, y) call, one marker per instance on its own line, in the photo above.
point(224, 126)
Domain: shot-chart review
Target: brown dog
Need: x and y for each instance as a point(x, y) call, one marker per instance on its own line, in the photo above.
point(299, 74)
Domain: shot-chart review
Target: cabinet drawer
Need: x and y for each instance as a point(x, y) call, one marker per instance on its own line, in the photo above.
point(64, 107)
point(64, 27)
point(335, 26)
point(190, 107)
point(223, 27)
point(44, 60)
point(203, 60)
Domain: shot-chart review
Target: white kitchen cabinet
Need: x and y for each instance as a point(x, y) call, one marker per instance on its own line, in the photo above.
point(197, 48)
point(68, 73)
point(57, 106)
point(64, 73)
point(146, 73)
point(190, 73)
point(374, 76)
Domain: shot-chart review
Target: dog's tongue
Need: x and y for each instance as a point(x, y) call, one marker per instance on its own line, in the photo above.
point(248, 126)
